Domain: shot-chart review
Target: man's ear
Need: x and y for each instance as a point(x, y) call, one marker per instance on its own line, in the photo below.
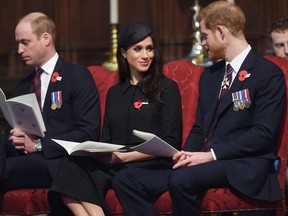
point(220, 31)
point(46, 38)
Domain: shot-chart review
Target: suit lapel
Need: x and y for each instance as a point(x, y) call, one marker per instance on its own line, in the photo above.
point(237, 84)
point(53, 86)
point(215, 79)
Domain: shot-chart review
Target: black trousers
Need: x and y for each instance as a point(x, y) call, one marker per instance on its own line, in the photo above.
point(188, 185)
point(138, 188)
point(20, 171)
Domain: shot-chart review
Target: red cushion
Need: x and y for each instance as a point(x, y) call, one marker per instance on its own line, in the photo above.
point(219, 200)
point(187, 76)
point(163, 205)
point(104, 79)
point(25, 202)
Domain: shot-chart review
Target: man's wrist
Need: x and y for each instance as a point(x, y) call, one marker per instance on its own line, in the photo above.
point(38, 145)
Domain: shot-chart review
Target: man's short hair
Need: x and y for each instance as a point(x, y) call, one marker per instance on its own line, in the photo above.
point(280, 25)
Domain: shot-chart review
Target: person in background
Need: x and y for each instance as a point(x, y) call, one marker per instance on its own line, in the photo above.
point(279, 36)
point(68, 100)
point(145, 100)
point(239, 113)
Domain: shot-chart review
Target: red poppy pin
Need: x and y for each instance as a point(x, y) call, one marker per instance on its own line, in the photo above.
point(138, 104)
point(243, 75)
point(55, 77)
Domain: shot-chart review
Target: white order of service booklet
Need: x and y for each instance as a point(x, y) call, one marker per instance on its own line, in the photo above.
point(23, 112)
point(152, 145)
point(84, 148)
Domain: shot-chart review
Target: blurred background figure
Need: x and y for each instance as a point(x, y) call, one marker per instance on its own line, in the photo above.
point(279, 36)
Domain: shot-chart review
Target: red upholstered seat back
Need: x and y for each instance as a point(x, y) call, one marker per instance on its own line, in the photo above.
point(283, 64)
point(187, 77)
point(283, 138)
point(104, 79)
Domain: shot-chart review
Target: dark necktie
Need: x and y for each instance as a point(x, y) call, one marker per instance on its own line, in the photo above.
point(36, 85)
point(226, 83)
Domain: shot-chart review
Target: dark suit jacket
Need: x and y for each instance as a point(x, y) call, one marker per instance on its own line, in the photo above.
point(245, 139)
point(79, 117)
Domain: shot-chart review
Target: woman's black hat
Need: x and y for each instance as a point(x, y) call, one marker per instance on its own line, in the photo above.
point(133, 33)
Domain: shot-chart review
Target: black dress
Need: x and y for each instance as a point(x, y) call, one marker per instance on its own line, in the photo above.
point(127, 108)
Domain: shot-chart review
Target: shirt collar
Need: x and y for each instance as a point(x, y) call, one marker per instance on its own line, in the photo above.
point(237, 62)
point(49, 66)
point(126, 85)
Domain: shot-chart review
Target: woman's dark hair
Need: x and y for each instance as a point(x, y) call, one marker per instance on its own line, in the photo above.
point(151, 82)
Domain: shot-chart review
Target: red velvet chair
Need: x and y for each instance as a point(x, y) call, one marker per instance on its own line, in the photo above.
point(34, 201)
point(104, 79)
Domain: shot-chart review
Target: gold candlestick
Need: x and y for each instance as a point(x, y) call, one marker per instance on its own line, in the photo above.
point(197, 54)
point(111, 64)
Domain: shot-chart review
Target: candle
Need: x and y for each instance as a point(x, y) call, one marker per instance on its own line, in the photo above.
point(113, 11)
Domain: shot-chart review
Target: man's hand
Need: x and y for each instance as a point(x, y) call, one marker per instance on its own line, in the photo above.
point(22, 141)
point(185, 159)
point(17, 138)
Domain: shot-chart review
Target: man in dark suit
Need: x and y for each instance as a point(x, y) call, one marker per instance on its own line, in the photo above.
point(69, 102)
point(239, 112)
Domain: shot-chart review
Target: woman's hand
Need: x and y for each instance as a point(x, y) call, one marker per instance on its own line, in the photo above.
point(122, 157)
point(109, 158)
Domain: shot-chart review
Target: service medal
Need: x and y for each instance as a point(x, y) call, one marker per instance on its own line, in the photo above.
point(53, 106)
point(241, 99)
point(247, 98)
point(59, 99)
point(56, 100)
point(236, 106)
point(235, 101)
point(242, 106)
point(53, 101)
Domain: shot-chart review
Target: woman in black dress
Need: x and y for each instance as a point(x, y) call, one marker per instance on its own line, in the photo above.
point(144, 99)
